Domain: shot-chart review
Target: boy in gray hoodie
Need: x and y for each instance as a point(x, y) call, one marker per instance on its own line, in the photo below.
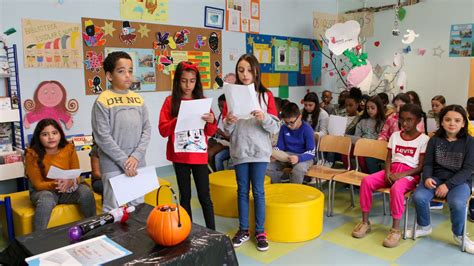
point(120, 126)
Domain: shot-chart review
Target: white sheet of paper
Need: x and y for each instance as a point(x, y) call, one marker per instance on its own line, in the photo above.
point(294, 57)
point(337, 125)
point(266, 56)
point(190, 114)
point(254, 25)
point(241, 99)
point(56, 173)
point(431, 125)
point(306, 57)
point(280, 156)
point(129, 188)
point(234, 20)
point(94, 251)
point(246, 9)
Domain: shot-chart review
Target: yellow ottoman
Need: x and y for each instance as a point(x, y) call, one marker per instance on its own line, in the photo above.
point(165, 197)
point(223, 186)
point(23, 213)
point(294, 212)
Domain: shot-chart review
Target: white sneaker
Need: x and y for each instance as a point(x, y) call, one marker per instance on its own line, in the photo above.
point(469, 243)
point(420, 231)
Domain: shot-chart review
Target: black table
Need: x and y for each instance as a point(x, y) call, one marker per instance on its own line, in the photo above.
point(202, 247)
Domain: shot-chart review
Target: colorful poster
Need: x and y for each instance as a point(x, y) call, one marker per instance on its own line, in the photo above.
point(149, 10)
point(287, 55)
point(51, 44)
point(243, 15)
point(324, 21)
point(144, 78)
point(202, 59)
point(291, 61)
point(461, 41)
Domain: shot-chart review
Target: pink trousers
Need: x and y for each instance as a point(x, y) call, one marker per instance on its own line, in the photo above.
point(397, 191)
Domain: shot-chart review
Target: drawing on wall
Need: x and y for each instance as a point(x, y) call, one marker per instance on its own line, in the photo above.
point(149, 10)
point(155, 50)
point(51, 44)
point(50, 101)
point(243, 15)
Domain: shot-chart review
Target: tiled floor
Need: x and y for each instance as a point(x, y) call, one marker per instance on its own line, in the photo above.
point(336, 246)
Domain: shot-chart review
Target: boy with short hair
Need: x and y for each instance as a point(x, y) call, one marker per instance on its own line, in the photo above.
point(296, 138)
point(120, 126)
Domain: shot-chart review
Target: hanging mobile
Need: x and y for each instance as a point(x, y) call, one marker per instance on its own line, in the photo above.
point(395, 30)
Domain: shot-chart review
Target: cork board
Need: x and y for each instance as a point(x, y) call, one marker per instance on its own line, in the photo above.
point(155, 50)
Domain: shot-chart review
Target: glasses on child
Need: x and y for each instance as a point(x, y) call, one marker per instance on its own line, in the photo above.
point(290, 123)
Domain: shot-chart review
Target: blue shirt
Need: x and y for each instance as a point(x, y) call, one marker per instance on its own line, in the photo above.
point(299, 141)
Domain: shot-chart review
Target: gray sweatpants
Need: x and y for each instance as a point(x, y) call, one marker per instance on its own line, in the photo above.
point(275, 171)
point(46, 200)
point(109, 201)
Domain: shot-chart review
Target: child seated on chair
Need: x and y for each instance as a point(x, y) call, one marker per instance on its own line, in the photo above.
point(447, 173)
point(296, 138)
point(402, 168)
point(49, 147)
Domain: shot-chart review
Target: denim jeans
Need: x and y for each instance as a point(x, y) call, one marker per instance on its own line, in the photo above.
point(46, 200)
point(457, 200)
point(251, 172)
point(220, 157)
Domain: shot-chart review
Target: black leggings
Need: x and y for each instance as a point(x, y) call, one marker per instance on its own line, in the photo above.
point(201, 180)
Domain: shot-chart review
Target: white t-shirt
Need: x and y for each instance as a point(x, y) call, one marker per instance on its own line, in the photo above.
point(407, 151)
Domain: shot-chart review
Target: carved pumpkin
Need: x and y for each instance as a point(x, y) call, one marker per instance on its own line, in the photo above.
point(168, 224)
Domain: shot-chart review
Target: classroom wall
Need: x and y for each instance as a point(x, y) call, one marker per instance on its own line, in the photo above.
point(281, 17)
point(428, 75)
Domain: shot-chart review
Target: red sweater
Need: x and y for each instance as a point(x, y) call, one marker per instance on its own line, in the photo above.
point(166, 126)
point(271, 107)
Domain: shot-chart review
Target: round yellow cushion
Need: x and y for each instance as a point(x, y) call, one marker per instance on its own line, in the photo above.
point(223, 186)
point(294, 212)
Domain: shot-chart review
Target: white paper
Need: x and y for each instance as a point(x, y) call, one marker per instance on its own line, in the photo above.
point(234, 20)
point(282, 56)
point(94, 251)
point(342, 36)
point(306, 56)
point(254, 25)
point(266, 56)
point(280, 156)
point(256, 53)
point(337, 125)
point(56, 173)
point(190, 114)
point(293, 58)
point(245, 24)
point(129, 188)
point(255, 10)
point(241, 99)
point(246, 9)
point(431, 125)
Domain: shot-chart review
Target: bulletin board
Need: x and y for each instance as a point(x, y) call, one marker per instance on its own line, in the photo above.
point(286, 61)
point(155, 50)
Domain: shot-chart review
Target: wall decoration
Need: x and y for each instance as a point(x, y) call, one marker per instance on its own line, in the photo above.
point(213, 17)
point(51, 44)
point(286, 61)
point(324, 21)
point(343, 36)
point(410, 37)
point(155, 50)
point(461, 42)
point(438, 51)
point(149, 10)
point(50, 102)
point(243, 15)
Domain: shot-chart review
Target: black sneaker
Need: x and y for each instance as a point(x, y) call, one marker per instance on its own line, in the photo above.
point(240, 237)
point(262, 243)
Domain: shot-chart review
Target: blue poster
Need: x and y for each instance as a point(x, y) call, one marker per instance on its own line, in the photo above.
point(461, 42)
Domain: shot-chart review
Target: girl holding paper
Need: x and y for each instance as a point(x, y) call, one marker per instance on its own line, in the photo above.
point(188, 149)
point(251, 149)
point(49, 147)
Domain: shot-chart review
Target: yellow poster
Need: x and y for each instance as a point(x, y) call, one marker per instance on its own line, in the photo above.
point(51, 44)
point(262, 52)
point(150, 10)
